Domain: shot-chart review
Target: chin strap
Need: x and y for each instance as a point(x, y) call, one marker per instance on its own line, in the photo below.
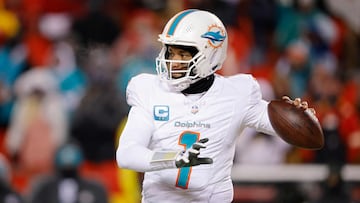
point(200, 86)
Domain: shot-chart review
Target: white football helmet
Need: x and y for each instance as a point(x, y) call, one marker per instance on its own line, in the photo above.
point(195, 28)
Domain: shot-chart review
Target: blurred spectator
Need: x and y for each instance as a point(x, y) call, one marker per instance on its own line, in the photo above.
point(334, 150)
point(290, 193)
point(7, 193)
point(101, 109)
point(264, 17)
point(324, 85)
point(137, 47)
point(12, 61)
point(239, 49)
point(303, 20)
point(293, 70)
point(39, 48)
point(72, 81)
point(38, 123)
point(334, 187)
point(67, 185)
point(95, 28)
point(324, 90)
point(155, 5)
point(227, 10)
point(323, 93)
point(349, 110)
point(347, 11)
point(97, 118)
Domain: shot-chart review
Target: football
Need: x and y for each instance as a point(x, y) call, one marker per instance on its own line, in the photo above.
point(296, 126)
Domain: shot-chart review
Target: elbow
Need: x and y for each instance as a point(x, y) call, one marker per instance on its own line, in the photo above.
point(133, 157)
point(121, 159)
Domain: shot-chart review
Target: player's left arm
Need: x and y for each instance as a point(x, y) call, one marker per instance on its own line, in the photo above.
point(256, 112)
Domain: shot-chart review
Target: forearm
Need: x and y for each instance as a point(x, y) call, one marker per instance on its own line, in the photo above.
point(158, 160)
point(141, 159)
point(133, 157)
point(133, 152)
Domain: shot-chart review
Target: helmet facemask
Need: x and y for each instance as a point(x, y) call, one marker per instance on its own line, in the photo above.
point(165, 70)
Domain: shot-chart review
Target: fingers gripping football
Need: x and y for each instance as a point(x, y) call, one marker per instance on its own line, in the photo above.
point(299, 104)
point(190, 156)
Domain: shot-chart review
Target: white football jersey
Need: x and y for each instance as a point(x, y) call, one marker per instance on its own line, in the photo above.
point(160, 119)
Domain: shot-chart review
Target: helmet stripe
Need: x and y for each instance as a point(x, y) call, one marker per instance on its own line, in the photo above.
point(177, 20)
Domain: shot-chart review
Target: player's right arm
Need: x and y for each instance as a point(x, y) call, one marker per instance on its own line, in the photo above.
point(133, 152)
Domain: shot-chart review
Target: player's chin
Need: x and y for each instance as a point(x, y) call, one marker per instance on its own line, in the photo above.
point(177, 75)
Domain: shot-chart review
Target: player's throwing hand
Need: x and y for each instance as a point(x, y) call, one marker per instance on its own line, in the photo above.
point(190, 156)
point(299, 104)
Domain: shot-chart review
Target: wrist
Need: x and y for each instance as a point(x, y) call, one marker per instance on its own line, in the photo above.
point(165, 159)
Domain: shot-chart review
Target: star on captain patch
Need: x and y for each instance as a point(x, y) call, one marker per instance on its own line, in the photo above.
point(194, 109)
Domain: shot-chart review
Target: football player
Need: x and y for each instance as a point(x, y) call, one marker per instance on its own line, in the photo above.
point(187, 109)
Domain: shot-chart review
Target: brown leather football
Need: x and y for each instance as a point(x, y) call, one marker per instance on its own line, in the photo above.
point(296, 126)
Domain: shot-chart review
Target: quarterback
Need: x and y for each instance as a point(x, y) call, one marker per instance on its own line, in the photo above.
point(183, 122)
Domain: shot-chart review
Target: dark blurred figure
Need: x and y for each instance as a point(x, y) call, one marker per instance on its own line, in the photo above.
point(96, 120)
point(227, 10)
point(334, 190)
point(325, 90)
point(97, 116)
point(7, 193)
point(263, 15)
point(290, 193)
point(347, 13)
point(97, 27)
point(334, 151)
point(101, 109)
point(67, 185)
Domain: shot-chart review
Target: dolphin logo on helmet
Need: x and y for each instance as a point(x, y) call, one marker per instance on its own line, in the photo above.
point(215, 36)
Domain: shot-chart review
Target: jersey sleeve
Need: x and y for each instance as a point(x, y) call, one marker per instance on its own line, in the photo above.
point(257, 115)
point(133, 152)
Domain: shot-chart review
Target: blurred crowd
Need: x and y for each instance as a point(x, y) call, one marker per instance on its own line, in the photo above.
point(64, 67)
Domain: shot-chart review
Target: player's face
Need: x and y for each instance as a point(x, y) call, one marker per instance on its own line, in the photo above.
point(176, 53)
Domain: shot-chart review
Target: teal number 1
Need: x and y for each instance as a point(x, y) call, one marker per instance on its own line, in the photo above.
point(187, 139)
